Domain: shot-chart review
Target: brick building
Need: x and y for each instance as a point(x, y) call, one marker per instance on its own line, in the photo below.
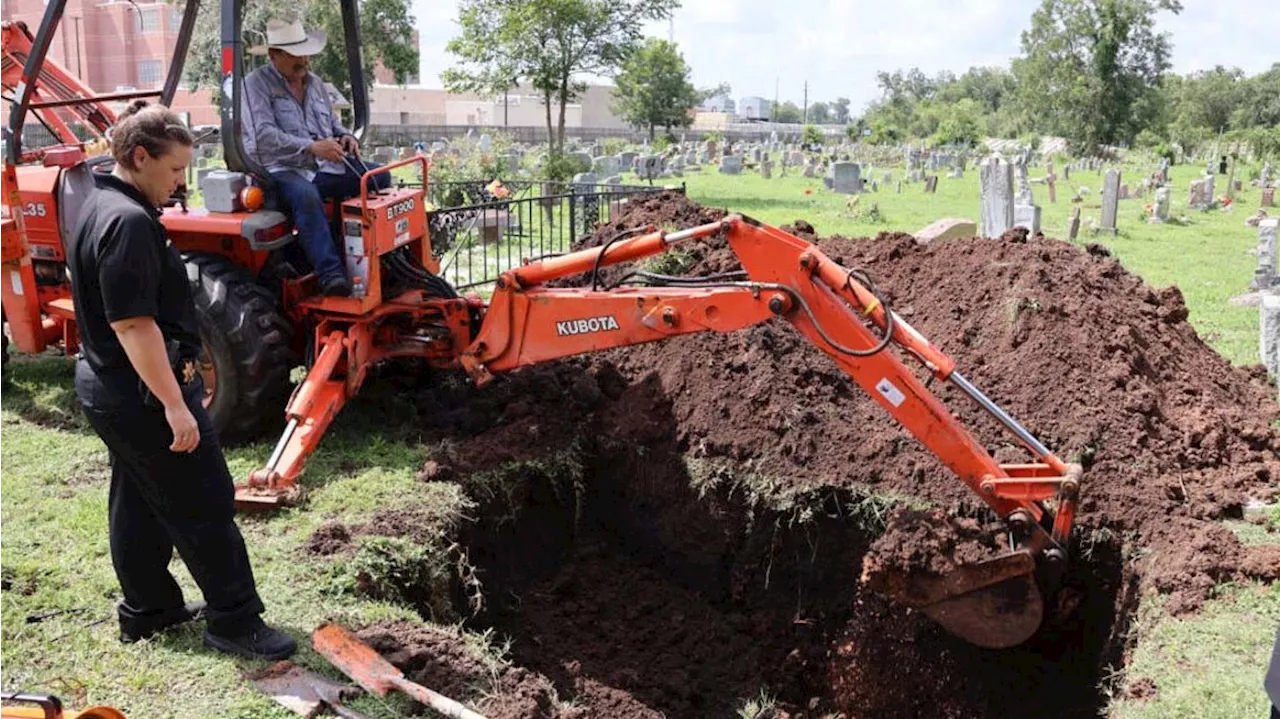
point(116, 46)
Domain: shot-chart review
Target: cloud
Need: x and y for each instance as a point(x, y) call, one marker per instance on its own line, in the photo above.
point(837, 46)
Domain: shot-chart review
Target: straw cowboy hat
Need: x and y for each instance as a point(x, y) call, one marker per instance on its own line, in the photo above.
point(292, 38)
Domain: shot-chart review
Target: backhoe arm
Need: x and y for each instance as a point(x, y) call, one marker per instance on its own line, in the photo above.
point(528, 323)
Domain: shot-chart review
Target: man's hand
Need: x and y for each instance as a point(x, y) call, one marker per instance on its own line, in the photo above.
point(327, 149)
point(186, 433)
point(350, 144)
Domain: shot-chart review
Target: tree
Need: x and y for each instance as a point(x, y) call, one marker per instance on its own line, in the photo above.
point(1089, 68)
point(386, 35)
point(812, 136)
point(959, 125)
point(653, 88)
point(546, 43)
point(841, 109)
point(787, 111)
point(819, 113)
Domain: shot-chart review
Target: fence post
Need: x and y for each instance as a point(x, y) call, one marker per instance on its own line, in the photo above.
point(573, 213)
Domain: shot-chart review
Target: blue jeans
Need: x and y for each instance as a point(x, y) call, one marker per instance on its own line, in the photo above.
point(304, 201)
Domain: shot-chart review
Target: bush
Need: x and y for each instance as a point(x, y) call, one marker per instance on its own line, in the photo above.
point(613, 145)
point(717, 136)
point(562, 166)
point(812, 135)
point(662, 142)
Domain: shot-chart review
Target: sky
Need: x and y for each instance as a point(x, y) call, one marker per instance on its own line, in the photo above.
point(760, 47)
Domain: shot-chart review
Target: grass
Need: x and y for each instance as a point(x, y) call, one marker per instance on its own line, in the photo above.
point(56, 558)
point(54, 476)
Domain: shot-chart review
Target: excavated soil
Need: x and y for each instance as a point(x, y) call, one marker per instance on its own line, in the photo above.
point(668, 529)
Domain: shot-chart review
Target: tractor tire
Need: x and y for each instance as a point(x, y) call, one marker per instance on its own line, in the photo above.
point(247, 353)
point(4, 353)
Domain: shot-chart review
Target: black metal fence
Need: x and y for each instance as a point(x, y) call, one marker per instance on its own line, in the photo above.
point(476, 243)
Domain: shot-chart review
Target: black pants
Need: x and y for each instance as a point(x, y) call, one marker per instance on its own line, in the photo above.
point(162, 499)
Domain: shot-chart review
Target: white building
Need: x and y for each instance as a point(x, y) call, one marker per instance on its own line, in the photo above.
point(754, 108)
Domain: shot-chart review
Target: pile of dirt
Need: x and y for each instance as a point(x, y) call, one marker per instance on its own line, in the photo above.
point(1102, 368)
point(709, 586)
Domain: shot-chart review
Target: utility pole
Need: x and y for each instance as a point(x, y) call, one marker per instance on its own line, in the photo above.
point(773, 111)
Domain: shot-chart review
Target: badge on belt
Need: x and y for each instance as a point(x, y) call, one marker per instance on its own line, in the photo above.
point(188, 371)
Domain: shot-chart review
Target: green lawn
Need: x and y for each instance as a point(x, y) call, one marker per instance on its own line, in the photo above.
point(54, 473)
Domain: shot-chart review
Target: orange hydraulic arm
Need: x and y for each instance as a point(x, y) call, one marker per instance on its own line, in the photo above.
point(54, 94)
point(839, 310)
point(527, 323)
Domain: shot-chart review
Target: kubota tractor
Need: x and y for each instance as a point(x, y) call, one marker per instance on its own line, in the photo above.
point(259, 321)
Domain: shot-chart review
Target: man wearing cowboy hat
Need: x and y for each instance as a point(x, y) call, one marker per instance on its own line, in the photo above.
point(292, 131)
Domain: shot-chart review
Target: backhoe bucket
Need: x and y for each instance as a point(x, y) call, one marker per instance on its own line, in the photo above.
point(994, 604)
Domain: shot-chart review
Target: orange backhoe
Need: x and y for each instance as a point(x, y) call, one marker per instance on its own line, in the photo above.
point(257, 323)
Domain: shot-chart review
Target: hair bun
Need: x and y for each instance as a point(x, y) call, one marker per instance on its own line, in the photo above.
point(134, 107)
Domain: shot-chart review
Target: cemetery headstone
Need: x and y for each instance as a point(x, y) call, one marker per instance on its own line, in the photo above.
point(586, 179)
point(996, 179)
point(731, 165)
point(766, 168)
point(1110, 201)
point(1025, 211)
point(1264, 277)
point(846, 178)
point(1269, 197)
point(1160, 208)
point(931, 184)
point(1124, 191)
point(648, 167)
point(1197, 196)
point(613, 180)
point(486, 141)
point(899, 187)
point(1073, 225)
point(1269, 341)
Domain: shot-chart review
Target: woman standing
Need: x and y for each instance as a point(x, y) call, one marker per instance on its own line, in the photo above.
point(136, 378)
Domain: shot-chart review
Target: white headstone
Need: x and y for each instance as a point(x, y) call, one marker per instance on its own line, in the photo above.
point(486, 141)
point(996, 179)
point(846, 178)
point(1269, 337)
point(1110, 200)
point(731, 165)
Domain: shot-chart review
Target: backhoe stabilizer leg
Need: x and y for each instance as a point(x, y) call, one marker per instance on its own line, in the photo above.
point(311, 409)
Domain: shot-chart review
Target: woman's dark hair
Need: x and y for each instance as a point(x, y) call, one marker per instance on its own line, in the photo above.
point(153, 127)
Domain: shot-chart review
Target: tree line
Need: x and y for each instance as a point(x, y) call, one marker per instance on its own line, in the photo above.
point(1092, 71)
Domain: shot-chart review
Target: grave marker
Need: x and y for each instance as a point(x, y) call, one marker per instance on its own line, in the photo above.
point(996, 180)
point(731, 165)
point(1110, 200)
point(1269, 197)
point(1160, 208)
point(1073, 225)
point(931, 184)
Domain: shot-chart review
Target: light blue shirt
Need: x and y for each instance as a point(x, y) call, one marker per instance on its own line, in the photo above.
point(279, 129)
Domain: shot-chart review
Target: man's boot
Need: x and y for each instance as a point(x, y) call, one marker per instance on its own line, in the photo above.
point(255, 641)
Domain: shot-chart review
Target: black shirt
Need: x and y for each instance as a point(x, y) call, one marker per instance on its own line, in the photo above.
point(122, 266)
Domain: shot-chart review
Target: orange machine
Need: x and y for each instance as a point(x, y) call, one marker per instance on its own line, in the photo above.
point(258, 322)
point(47, 706)
point(997, 603)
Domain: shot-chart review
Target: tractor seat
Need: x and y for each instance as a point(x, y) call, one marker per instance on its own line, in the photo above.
point(74, 187)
